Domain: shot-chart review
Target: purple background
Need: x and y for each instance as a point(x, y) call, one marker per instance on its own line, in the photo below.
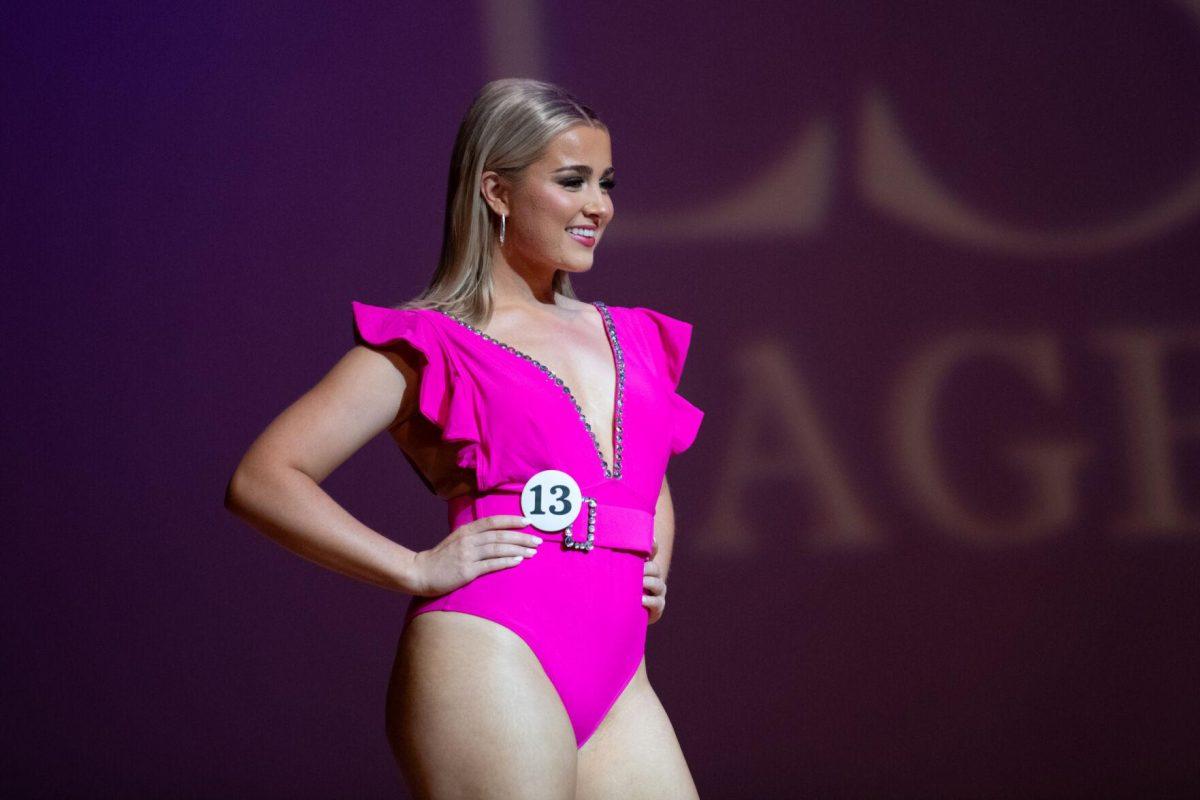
point(194, 193)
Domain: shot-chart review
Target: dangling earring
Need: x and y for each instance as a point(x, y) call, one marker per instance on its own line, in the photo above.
point(502, 218)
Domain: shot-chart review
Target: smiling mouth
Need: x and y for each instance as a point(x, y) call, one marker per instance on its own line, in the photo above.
point(585, 236)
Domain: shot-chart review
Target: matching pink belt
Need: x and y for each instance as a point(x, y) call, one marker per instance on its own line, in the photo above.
point(617, 527)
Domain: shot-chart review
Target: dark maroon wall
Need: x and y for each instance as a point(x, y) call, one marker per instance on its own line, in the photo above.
point(939, 534)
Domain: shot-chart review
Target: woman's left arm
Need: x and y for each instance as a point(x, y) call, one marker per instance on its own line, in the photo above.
point(654, 574)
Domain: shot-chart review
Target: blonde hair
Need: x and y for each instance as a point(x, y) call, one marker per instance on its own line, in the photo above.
point(509, 125)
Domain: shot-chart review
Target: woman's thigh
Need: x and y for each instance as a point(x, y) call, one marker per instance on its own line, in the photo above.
point(471, 713)
point(634, 754)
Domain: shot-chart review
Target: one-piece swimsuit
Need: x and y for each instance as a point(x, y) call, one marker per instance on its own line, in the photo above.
point(506, 417)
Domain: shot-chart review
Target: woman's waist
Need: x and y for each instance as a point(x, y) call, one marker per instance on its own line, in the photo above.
point(610, 523)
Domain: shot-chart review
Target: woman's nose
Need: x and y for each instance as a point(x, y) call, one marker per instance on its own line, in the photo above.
point(598, 205)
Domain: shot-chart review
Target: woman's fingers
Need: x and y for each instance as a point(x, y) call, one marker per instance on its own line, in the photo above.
point(654, 605)
point(495, 522)
point(488, 544)
point(493, 564)
point(654, 589)
point(503, 549)
point(507, 548)
point(492, 540)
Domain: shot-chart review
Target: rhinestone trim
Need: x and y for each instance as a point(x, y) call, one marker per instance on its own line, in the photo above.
point(583, 544)
point(613, 473)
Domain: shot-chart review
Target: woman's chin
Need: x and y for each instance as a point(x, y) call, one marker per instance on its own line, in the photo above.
point(575, 263)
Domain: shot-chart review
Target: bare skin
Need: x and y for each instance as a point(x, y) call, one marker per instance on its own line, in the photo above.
point(470, 711)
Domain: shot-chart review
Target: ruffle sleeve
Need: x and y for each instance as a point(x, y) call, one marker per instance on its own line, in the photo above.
point(671, 339)
point(443, 399)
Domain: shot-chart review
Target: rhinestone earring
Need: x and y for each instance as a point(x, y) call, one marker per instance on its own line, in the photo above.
point(502, 218)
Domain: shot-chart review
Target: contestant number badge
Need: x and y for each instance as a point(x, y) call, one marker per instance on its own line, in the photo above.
point(551, 500)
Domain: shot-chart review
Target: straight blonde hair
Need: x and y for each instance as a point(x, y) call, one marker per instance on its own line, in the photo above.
point(509, 126)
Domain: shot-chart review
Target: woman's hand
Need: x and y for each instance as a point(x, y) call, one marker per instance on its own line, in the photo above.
point(482, 545)
point(654, 587)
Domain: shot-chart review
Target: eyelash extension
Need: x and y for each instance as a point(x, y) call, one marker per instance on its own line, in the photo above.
point(607, 183)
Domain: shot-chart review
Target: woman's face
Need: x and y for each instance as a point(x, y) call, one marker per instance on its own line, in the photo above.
point(564, 191)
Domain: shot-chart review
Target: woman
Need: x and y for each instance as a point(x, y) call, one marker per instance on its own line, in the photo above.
point(516, 675)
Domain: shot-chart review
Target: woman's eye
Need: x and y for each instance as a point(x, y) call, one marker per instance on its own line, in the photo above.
point(574, 183)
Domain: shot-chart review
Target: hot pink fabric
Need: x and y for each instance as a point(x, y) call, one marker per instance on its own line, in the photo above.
point(580, 613)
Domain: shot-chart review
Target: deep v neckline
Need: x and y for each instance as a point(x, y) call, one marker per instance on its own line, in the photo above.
point(618, 361)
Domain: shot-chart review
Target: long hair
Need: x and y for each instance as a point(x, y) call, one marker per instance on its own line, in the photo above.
point(509, 125)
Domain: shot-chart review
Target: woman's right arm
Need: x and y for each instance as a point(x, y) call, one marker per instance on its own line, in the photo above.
point(276, 486)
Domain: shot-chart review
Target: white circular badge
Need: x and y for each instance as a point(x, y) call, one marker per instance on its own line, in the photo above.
point(551, 500)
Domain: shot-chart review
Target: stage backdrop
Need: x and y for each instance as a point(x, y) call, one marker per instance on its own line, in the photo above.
point(939, 535)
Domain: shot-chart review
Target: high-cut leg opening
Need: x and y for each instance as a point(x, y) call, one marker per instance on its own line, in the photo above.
point(612, 701)
point(523, 633)
point(588, 669)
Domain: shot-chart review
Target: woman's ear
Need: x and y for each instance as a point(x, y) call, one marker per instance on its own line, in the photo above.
point(495, 191)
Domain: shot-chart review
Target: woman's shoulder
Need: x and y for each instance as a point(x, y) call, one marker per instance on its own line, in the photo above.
point(381, 326)
point(656, 324)
point(667, 337)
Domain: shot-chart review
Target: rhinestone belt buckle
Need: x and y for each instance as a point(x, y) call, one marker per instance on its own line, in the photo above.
point(583, 544)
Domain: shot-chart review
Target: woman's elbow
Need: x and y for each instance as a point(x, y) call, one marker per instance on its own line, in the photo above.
point(239, 487)
point(234, 490)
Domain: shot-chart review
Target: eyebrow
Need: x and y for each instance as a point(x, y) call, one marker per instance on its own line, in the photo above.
point(583, 168)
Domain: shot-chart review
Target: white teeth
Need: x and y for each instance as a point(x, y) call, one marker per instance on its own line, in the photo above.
point(588, 232)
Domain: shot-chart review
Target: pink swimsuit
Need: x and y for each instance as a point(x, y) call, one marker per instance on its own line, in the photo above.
point(580, 611)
